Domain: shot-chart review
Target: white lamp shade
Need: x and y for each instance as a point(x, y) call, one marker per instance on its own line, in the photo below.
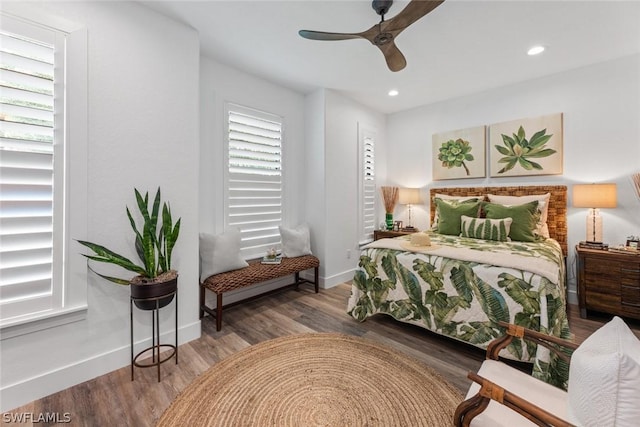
point(409, 196)
point(594, 196)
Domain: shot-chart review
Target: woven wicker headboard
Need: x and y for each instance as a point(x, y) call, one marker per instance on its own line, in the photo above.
point(557, 217)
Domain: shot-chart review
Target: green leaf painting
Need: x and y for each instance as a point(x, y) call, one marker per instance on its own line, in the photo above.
point(531, 146)
point(459, 153)
point(454, 154)
point(517, 150)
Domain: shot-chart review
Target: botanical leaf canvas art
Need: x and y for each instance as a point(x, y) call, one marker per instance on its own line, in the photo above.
point(526, 147)
point(459, 154)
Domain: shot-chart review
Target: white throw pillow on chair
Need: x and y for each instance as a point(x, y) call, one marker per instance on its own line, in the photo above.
point(220, 253)
point(604, 378)
point(295, 241)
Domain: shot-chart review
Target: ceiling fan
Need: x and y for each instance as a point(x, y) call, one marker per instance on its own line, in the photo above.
point(384, 33)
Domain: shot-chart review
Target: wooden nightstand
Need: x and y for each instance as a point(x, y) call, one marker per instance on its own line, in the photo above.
point(384, 234)
point(608, 282)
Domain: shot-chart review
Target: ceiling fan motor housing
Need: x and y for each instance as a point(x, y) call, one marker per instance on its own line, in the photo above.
point(381, 6)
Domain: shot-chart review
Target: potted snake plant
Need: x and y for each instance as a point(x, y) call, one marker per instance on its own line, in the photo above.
point(154, 243)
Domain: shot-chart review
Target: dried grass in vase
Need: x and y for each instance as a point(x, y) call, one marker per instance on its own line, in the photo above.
point(636, 183)
point(390, 197)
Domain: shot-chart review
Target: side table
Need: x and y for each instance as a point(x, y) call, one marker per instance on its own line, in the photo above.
point(155, 335)
point(608, 282)
point(387, 234)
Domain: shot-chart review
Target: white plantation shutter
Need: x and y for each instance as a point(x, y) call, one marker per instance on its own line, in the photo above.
point(254, 178)
point(31, 168)
point(367, 185)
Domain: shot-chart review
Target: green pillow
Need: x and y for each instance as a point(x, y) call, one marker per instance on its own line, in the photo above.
point(487, 229)
point(525, 218)
point(449, 214)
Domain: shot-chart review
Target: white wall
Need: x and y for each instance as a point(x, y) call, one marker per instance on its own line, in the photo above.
point(315, 160)
point(142, 132)
point(601, 106)
point(342, 118)
point(220, 84)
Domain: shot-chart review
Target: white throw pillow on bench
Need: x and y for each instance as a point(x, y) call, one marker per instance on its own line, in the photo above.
point(295, 241)
point(220, 253)
point(604, 378)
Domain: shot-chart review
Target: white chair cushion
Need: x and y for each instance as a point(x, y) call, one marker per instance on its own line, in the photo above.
point(220, 253)
point(295, 241)
point(541, 394)
point(604, 378)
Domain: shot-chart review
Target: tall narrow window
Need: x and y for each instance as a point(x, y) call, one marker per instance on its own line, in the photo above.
point(34, 166)
point(367, 185)
point(254, 178)
point(27, 171)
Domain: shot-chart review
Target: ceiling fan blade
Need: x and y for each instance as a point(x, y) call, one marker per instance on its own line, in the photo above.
point(415, 10)
point(395, 59)
point(321, 35)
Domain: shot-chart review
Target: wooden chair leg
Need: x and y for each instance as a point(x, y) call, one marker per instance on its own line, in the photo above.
point(316, 281)
point(202, 299)
point(219, 312)
point(296, 279)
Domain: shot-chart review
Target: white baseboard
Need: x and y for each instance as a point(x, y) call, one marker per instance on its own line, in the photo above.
point(336, 279)
point(18, 394)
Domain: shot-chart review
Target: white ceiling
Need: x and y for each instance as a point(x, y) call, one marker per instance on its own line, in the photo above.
point(462, 47)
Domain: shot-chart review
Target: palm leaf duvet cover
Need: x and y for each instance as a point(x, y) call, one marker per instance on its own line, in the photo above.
point(461, 288)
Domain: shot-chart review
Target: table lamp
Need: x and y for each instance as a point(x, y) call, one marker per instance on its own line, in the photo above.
point(409, 196)
point(594, 196)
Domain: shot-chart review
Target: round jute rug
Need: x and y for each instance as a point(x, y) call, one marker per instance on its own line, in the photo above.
point(316, 380)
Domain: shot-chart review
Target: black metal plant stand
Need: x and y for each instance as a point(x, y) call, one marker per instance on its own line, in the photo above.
point(155, 333)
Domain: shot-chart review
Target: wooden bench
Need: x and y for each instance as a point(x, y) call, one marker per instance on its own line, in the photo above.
point(253, 274)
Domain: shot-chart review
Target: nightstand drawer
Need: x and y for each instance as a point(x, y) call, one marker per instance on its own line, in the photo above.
point(598, 266)
point(631, 273)
point(602, 285)
point(631, 310)
point(603, 302)
point(630, 294)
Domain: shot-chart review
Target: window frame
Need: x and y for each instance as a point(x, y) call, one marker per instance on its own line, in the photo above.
point(69, 301)
point(364, 234)
point(263, 115)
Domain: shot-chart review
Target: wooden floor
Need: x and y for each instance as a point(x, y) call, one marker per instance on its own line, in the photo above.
point(113, 399)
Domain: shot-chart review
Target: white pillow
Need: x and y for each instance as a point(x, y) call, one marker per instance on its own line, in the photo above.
point(447, 198)
point(542, 228)
point(295, 241)
point(604, 378)
point(220, 253)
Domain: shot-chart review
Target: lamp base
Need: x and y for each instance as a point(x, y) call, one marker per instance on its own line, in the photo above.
point(594, 226)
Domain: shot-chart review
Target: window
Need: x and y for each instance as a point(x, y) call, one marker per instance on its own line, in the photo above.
point(34, 165)
point(367, 185)
point(254, 178)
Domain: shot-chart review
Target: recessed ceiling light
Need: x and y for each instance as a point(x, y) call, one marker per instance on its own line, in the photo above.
point(535, 50)
point(393, 92)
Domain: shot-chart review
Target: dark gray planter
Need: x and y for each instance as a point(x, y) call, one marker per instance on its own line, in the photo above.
point(145, 295)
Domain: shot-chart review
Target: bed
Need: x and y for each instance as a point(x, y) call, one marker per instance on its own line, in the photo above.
point(473, 277)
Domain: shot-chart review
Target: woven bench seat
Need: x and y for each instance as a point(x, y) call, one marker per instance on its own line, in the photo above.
point(255, 273)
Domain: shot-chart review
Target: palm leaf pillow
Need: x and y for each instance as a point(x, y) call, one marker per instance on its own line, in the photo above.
point(487, 229)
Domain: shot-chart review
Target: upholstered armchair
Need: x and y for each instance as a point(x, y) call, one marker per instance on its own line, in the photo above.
point(604, 383)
